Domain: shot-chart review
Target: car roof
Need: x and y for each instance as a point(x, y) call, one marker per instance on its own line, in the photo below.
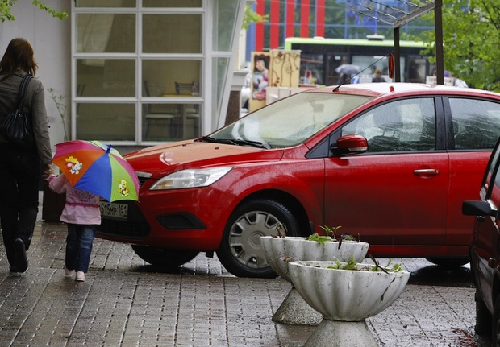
point(384, 88)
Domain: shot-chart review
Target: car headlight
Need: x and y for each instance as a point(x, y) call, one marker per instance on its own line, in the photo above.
point(191, 178)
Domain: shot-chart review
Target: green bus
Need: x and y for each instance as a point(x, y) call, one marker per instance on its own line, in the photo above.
point(322, 61)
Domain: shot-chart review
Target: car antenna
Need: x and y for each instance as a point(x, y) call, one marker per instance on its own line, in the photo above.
point(369, 66)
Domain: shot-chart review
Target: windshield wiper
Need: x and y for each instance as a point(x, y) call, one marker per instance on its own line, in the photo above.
point(239, 142)
point(250, 143)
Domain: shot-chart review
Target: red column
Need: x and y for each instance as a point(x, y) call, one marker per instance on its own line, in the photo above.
point(320, 18)
point(305, 12)
point(290, 18)
point(274, 24)
point(259, 27)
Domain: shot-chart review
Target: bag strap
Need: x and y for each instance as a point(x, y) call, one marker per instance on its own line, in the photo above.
point(22, 90)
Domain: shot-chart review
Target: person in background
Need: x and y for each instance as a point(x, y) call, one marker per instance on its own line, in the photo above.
point(378, 76)
point(81, 213)
point(20, 168)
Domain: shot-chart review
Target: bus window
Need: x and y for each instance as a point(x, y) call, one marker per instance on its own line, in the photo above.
point(333, 61)
point(311, 69)
point(380, 63)
point(417, 70)
point(361, 52)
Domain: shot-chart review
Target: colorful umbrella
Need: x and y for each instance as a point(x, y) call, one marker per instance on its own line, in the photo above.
point(96, 168)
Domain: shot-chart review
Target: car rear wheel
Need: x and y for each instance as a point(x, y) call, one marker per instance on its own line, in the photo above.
point(483, 317)
point(449, 262)
point(240, 251)
point(495, 328)
point(164, 258)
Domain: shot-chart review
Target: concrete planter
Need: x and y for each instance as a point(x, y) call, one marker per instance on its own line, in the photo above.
point(345, 298)
point(279, 252)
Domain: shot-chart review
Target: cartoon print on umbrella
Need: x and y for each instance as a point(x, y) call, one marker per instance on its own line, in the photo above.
point(96, 168)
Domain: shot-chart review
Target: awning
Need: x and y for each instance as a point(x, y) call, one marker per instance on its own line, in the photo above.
point(384, 11)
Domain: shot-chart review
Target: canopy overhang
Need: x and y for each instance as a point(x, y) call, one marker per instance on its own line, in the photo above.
point(397, 17)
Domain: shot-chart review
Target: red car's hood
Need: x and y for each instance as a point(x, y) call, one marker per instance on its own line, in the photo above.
point(189, 154)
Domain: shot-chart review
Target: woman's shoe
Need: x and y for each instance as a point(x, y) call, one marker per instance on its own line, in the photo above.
point(69, 273)
point(21, 259)
point(80, 276)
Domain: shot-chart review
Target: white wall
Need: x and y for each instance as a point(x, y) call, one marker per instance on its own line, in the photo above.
point(51, 41)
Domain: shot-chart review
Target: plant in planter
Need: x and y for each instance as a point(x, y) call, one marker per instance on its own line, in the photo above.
point(280, 251)
point(346, 293)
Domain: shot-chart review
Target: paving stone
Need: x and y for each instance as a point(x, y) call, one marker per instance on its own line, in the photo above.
point(126, 302)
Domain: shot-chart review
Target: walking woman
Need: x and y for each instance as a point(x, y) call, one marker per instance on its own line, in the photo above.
point(20, 168)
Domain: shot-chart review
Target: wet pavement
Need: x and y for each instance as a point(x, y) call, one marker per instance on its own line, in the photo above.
point(126, 302)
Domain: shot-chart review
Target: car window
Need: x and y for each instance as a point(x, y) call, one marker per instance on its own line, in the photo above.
point(291, 121)
point(402, 125)
point(476, 123)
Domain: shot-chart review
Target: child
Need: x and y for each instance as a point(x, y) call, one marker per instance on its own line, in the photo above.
point(81, 212)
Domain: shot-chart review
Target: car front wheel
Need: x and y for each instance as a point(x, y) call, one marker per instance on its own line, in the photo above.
point(164, 258)
point(240, 251)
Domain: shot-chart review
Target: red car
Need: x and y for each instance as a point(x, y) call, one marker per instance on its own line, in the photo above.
point(390, 162)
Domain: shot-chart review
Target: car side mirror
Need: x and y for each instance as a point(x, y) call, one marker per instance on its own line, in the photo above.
point(478, 208)
point(350, 144)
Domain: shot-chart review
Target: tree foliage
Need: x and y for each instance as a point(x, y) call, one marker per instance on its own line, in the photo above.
point(252, 17)
point(471, 41)
point(5, 6)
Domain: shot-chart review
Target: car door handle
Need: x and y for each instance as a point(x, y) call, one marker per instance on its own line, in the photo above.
point(426, 172)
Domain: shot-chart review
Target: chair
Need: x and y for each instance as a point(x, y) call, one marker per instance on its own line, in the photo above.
point(155, 114)
point(184, 88)
point(189, 111)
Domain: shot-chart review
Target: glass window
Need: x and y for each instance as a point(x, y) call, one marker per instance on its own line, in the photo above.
point(219, 73)
point(106, 122)
point(380, 63)
point(105, 33)
point(105, 3)
point(403, 125)
point(171, 3)
point(417, 72)
point(291, 121)
point(224, 25)
point(476, 123)
point(170, 122)
point(171, 33)
point(105, 77)
point(311, 69)
point(160, 77)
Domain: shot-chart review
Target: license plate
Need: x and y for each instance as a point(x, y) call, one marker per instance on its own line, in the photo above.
point(113, 211)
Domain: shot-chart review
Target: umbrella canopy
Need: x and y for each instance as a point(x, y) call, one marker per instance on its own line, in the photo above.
point(348, 69)
point(96, 168)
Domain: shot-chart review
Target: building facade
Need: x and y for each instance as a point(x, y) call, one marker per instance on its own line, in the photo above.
point(133, 73)
point(339, 19)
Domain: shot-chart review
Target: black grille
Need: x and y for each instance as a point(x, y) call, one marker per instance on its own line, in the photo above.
point(135, 227)
point(142, 180)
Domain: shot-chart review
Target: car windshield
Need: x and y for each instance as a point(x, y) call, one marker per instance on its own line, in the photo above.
point(288, 122)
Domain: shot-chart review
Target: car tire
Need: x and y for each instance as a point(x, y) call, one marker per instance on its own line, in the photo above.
point(483, 317)
point(240, 251)
point(449, 262)
point(164, 258)
point(495, 327)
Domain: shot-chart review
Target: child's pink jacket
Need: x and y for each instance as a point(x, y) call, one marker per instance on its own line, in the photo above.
point(81, 207)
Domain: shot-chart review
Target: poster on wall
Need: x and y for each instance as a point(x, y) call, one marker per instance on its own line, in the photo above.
point(277, 68)
point(285, 68)
point(261, 64)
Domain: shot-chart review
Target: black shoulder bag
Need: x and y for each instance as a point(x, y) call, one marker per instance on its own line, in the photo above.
point(17, 128)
